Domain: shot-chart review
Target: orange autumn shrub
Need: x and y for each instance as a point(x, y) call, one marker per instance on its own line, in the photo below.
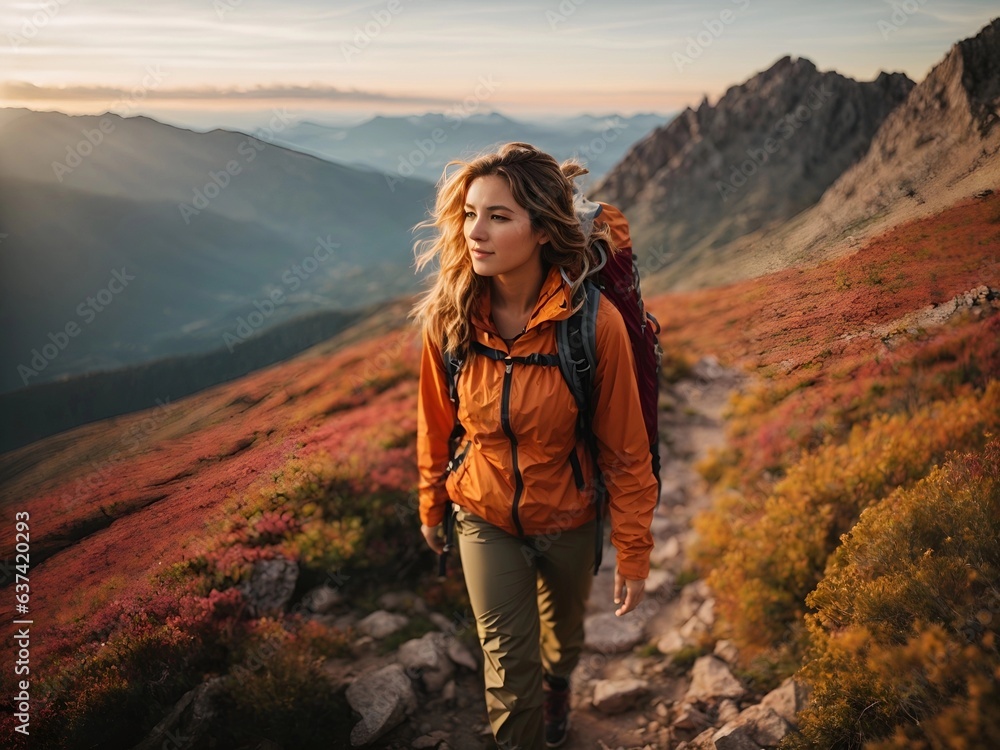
point(766, 557)
point(905, 634)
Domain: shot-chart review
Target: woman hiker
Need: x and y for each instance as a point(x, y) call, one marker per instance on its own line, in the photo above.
point(511, 258)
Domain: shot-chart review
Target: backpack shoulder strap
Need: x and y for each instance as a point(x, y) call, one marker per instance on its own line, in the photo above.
point(452, 369)
point(576, 342)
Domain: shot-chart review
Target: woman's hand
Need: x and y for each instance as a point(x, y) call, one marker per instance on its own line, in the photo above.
point(434, 535)
point(634, 591)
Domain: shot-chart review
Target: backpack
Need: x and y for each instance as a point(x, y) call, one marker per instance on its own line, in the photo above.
point(617, 280)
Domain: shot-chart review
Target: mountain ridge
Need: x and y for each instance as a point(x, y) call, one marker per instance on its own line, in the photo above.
point(766, 150)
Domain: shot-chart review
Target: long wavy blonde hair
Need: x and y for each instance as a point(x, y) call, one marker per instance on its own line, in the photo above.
point(541, 186)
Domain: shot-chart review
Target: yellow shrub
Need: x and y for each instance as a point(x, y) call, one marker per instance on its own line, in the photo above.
point(905, 634)
point(768, 557)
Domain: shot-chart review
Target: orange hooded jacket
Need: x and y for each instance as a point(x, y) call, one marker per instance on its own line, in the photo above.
point(521, 462)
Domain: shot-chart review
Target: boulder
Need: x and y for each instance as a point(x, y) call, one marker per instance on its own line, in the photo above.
point(728, 710)
point(660, 526)
point(443, 623)
point(459, 654)
point(659, 582)
point(671, 642)
point(706, 612)
point(322, 599)
point(703, 741)
point(762, 725)
point(692, 597)
point(402, 601)
point(734, 738)
point(616, 696)
point(607, 633)
point(711, 681)
point(189, 722)
point(426, 659)
point(383, 698)
point(787, 700)
point(667, 552)
point(432, 740)
point(270, 586)
point(382, 624)
point(672, 494)
point(449, 691)
point(694, 630)
point(727, 651)
point(689, 718)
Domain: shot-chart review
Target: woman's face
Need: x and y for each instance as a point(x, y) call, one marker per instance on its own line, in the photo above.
point(498, 231)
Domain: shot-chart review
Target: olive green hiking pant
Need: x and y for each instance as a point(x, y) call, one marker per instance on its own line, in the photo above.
point(528, 596)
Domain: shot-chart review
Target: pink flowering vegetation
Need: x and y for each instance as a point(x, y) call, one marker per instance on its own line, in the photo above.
point(140, 653)
point(131, 662)
point(340, 500)
point(808, 334)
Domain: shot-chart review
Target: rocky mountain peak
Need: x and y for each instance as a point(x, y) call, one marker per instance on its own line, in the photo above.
point(765, 151)
point(979, 78)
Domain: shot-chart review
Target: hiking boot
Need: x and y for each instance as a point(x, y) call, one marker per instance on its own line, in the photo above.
point(556, 710)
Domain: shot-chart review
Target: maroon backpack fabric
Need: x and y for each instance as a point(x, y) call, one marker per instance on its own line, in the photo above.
point(618, 281)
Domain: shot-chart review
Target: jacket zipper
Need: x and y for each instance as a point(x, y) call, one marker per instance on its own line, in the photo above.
point(505, 423)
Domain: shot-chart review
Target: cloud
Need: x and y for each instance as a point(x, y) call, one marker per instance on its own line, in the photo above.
point(29, 92)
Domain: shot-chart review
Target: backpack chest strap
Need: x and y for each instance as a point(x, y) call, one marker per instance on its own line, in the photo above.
point(545, 360)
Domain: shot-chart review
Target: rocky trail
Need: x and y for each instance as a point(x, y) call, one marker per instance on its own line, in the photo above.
point(628, 690)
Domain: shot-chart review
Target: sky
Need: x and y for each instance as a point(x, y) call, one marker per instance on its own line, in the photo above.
point(215, 61)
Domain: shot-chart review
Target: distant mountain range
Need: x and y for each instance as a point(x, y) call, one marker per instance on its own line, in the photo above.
point(126, 240)
point(420, 146)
